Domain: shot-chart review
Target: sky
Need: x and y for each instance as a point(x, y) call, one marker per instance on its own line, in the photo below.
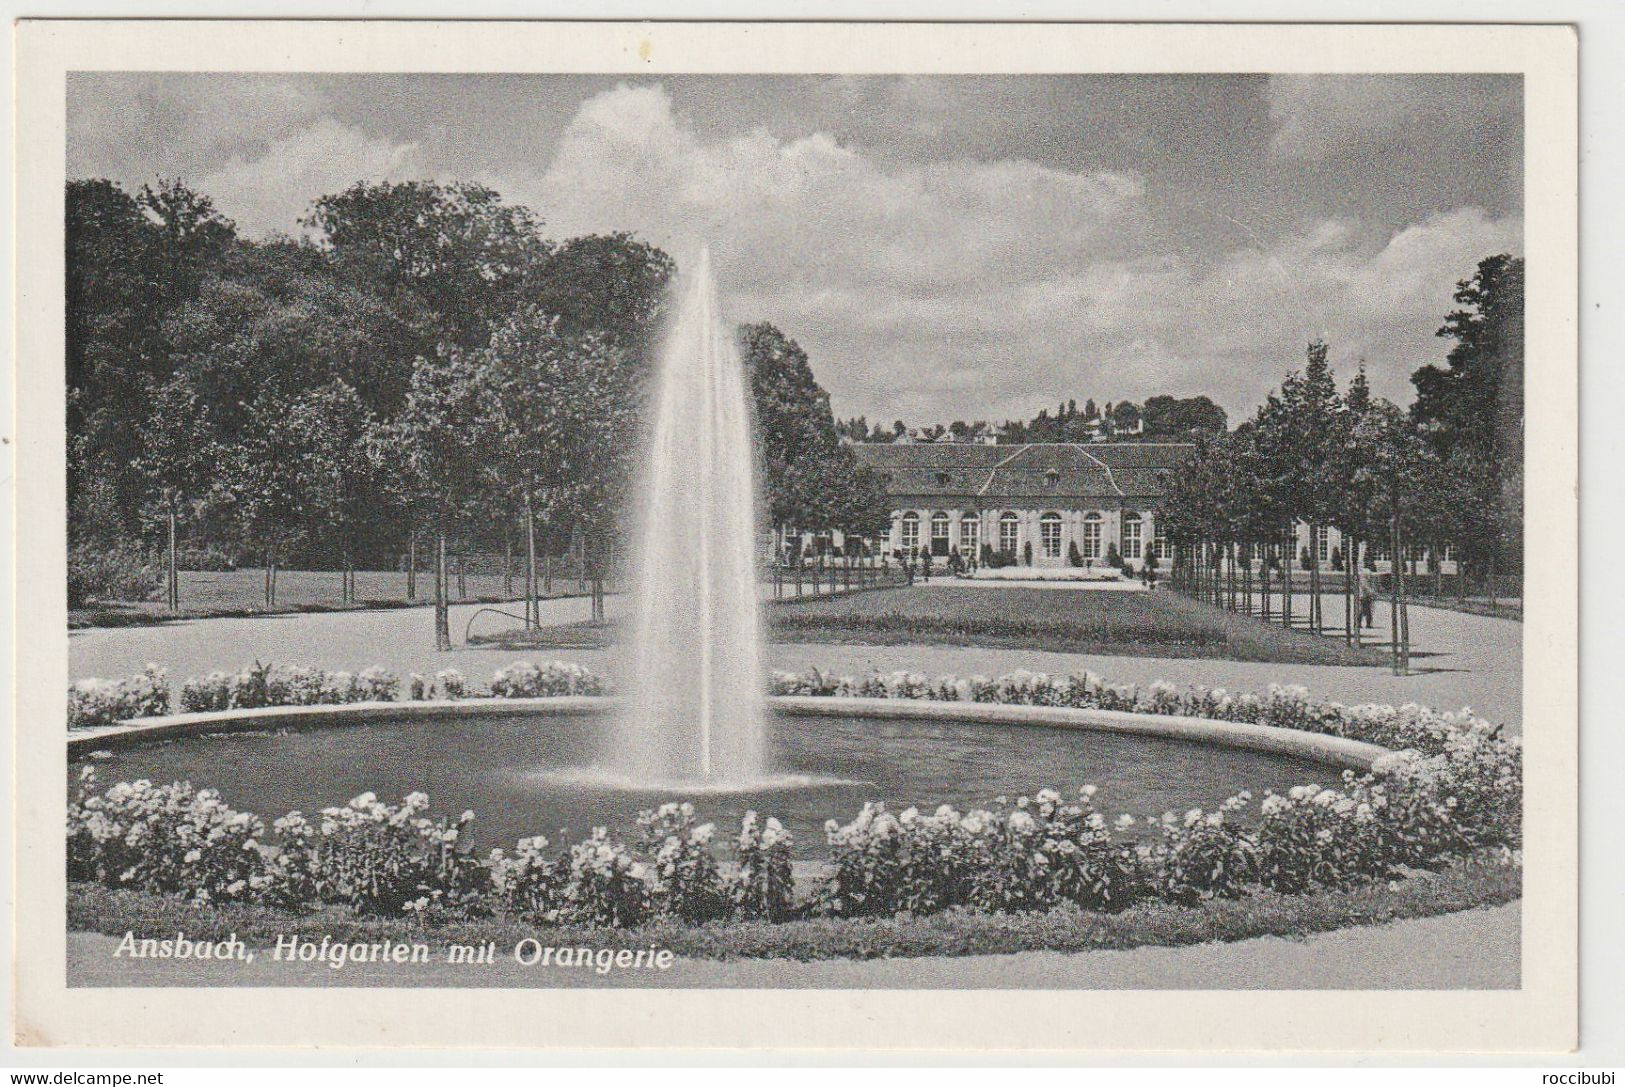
point(943, 247)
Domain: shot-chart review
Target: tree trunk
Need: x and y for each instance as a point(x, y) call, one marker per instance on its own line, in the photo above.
point(1350, 613)
point(507, 565)
point(1395, 566)
point(462, 575)
point(442, 609)
point(532, 608)
point(1286, 578)
point(174, 587)
point(268, 561)
point(412, 564)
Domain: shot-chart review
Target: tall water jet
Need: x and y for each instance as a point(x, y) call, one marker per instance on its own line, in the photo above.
point(693, 656)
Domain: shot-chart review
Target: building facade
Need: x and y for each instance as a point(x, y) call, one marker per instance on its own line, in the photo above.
point(1059, 503)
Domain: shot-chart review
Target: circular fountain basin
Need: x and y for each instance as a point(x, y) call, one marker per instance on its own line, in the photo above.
point(527, 770)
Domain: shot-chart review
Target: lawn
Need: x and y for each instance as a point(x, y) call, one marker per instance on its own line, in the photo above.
point(1158, 624)
point(242, 592)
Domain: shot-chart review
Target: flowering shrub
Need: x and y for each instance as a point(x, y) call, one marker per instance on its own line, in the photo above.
point(285, 685)
point(529, 883)
point(764, 887)
point(607, 884)
point(451, 683)
point(522, 679)
point(108, 701)
point(382, 860)
point(686, 883)
point(167, 839)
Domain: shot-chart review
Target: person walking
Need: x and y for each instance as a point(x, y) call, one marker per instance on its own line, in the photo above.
point(925, 564)
point(1368, 597)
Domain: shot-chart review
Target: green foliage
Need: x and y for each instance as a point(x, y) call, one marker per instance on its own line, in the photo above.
point(809, 477)
point(117, 572)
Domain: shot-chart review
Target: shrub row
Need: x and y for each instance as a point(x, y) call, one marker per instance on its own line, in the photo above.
point(1409, 726)
point(108, 701)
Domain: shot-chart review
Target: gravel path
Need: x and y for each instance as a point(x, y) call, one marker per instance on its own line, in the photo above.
point(1471, 660)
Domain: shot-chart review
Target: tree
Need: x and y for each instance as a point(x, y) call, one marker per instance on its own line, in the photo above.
point(441, 466)
point(178, 459)
point(265, 479)
point(1167, 417)
point(563, 406)
point(808, 477)
point(455, 254)
point(1473, 406)
point(608, 285)
point(343, 468)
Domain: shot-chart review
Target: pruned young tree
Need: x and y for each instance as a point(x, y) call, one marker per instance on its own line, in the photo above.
point(179, 458)
point(562, 409)
point(441, 463)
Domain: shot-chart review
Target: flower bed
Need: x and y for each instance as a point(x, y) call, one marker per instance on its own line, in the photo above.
point(1416, 810)
point(1452, 788)
point(93, 702)
point(1409, 726)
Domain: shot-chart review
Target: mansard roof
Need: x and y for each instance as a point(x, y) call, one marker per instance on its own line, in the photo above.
point(1034, 470)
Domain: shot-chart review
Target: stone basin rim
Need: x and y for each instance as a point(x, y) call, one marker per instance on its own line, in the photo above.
point(1335, 751)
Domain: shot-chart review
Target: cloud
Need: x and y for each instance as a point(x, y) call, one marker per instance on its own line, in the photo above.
point(945, 288)
point(128, 124)
point(810, 213)
point(1324, 116)
point(270, 192)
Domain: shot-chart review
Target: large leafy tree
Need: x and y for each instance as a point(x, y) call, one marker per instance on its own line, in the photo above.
point(130, 260)
point(454, 255)
point(809, 478)
point(1471, 409)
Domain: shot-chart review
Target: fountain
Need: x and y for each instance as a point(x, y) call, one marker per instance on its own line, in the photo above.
point(694, 707)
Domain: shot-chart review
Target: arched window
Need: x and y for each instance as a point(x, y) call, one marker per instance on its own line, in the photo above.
point(939, 533)
point(1049, 532)
point(1009, 531)
point(1132, 526)
point(1091, 535)
point(970, 535)
point(911, 532)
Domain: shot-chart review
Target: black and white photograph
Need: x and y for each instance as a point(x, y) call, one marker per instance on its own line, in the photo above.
point(640, 530)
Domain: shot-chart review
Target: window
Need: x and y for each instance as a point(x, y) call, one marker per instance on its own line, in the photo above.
point(1159, 542)
point(1323, 536)
point(1010, 531)
point(939, 533)
point(1049, 531)
point(1131, 535)
point(911, 532)
point(970, 534)
point(1091, 536)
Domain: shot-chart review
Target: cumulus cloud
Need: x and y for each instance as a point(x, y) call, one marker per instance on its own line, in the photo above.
point(812, 214)
point(941, 288)
point(268, 193)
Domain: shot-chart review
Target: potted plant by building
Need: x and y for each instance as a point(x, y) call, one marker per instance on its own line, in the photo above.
point(1073, 555)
